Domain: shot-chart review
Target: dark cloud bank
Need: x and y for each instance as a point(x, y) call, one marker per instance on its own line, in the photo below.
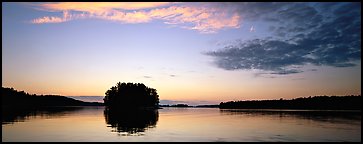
point(322, 34)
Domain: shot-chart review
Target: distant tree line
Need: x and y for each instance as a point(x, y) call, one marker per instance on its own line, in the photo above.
point(317, 102)
point(13, 98)
point(207, 106)
point(176, 105)
point(131, 95)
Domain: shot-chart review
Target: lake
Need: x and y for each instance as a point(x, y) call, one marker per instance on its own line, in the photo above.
point(180, 124)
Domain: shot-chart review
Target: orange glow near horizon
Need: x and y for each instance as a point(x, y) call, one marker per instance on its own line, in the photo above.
point(208, 89)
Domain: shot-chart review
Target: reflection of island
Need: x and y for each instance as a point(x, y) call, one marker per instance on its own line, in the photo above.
point(18, 114)
point(131, 122)
point(19, 105)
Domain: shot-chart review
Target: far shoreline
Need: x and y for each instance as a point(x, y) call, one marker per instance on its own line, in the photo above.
point(12, 98)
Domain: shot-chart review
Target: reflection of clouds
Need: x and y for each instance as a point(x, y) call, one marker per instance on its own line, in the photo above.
point(306, 35)
point(131, 122)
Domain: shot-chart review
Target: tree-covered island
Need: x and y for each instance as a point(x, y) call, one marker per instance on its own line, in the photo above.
point(131, 96)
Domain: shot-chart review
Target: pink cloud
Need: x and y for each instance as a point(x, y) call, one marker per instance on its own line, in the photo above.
point(202, 19)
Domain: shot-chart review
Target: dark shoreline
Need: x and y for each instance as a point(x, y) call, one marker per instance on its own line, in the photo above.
point(13, 99)
point(306, 103)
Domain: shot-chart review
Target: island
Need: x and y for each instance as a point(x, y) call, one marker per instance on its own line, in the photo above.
point(131, 96)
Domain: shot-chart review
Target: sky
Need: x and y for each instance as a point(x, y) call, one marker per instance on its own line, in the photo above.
point(196, 52)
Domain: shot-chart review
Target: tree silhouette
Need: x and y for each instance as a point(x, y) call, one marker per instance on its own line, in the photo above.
point(317, 102)
point(20, 99)
point(131, 95)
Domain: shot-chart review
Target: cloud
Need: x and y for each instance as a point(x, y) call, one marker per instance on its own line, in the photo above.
point(298, 79)
point(52, 19)
point(126, 17)
point(203, 18)
point(252, 29)
point(97, 7)
point(147, 77)
point(66, 17)
point(306, 35)
point(172, 75)
point(172, 102)
point(48, 20)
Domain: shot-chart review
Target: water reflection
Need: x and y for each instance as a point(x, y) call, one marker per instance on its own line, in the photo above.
point(316, 115)
point(11, 115)
point(181, 125)
point(131, 123)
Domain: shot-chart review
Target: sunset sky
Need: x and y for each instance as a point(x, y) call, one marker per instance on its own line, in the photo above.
point(201, 52)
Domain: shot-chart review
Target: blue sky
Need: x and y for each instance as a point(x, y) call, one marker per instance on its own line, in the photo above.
point(187, 51)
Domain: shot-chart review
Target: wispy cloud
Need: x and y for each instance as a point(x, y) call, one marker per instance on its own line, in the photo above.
point(252, 29)
point(97, 7)
point(203, 18)
point(147, 77)
point(66, 17)
point(48, 20)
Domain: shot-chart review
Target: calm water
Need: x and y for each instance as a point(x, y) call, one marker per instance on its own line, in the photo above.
point(180, 124)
